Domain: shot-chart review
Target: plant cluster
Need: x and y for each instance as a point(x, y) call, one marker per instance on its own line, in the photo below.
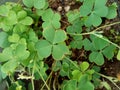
point(32, 35)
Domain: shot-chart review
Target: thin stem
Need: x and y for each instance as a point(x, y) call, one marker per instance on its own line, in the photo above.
point(106, 26)
point(107, 41)
point(72, 62)
point(32, 80)
point(109, 78)
point(93, 31)
point(42, 78)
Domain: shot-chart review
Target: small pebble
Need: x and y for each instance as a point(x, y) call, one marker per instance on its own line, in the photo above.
point(59, 8)
point(67, 8)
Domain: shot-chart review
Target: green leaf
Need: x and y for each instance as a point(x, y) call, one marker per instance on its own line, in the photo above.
point(87, 44)
point(99, 43)
point(9, 66)
point(77, 42)
point(11, 19)
point(94, 20)
point(20, 28)
point(39, 4)
point(28, 3)
point(26, 21)
point(43, 48)
point(32, 36)
point(112, 11)
point(73, 15)
point(51, 19)
point(118, 55)
point(109, 51)
point(76, 27)
point(59, 51)
point(21, 14)
point(49, 34)
point(4, 10)
point(54, 36)
point(85, 84)
point(96, 57)
point(3, 40)
point(14, 38)
point(6, 54)
point(84, 66)
point(60, 36)
point(106, 85)
point(70, 85)
point(47, 15)
point(21, 56)
point(102, 12)
point(86, 8)
point(76, 75)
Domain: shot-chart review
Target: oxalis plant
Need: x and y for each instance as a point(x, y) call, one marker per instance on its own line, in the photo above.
point(32, 36)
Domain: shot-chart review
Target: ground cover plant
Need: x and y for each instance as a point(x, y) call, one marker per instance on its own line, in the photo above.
point(57, 44)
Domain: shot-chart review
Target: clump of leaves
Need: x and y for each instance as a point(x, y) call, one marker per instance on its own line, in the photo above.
point(31, 34)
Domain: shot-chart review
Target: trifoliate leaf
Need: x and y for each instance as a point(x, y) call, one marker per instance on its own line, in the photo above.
point(14, 38)
point(54, 36)
point(77, 42)
point(4, 10)
point(28, 3)
point(118, 55)
point(26, 21)
point(9, 66)
point(109, 51)
point(39, 4)
point(3, 40)
point(59, 51)
point(97, 58)
point(76, 27)
point(43, 48)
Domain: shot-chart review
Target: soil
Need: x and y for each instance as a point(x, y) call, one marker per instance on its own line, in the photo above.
point(111, 67)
